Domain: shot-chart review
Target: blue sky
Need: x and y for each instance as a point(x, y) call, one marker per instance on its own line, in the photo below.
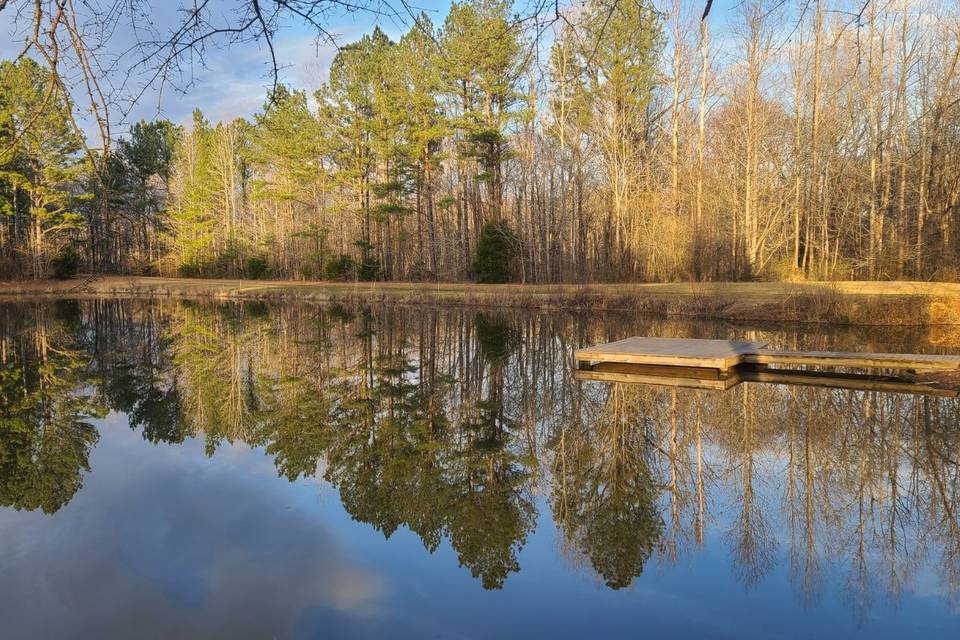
point(234, 80)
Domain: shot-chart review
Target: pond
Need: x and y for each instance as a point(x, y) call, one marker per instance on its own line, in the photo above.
point(202, 469)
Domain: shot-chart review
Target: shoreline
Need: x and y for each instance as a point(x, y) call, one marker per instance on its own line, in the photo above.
point(868, 303)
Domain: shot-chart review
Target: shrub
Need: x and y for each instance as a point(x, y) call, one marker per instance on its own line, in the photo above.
point(339, 268)
point(256, 268)
point(226, 264)
point(368, 269)
point(784, 270)
point(144, 268)
point(496, 251)
point(66, 263)
point(189, 270)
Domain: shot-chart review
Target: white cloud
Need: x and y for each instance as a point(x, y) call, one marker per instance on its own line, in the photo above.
point(179, 545)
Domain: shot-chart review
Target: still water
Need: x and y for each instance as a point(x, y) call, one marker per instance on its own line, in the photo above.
point(173, 469)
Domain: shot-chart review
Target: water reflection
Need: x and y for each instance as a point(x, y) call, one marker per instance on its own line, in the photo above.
point(462, 426)
point(45, 439)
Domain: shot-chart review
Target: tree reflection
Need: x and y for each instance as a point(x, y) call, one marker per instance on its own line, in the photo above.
point(448, 423)
point(45, 439)
point(750, 534)
point(131, 356)
point(401, 454)
point(605, 494)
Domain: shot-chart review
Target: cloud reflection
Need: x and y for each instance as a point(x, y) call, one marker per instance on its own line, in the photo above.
point(179, 545)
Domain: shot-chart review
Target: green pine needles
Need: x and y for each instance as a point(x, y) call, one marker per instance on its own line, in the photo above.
point(496, 252)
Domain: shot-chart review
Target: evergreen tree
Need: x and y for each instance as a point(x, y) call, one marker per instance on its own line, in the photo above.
point(40, 169)
point(207, 205)
point(286, 154)
point(140, 176)
point(495, 253)
point(191, 193)
point(618, 48)
point(482, 67)
point(418, 90)
point(350, 103)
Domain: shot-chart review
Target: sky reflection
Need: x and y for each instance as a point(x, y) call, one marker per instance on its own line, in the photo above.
point(317, 472)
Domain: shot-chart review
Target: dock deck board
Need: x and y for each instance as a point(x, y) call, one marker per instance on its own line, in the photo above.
point(923, 362)
point(715, 354)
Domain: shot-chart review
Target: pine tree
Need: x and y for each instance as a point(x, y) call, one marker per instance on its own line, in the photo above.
point(349, 104)
point(286, 155)
point(425, 127)
point(40, 168)
point(139, 176)
point(192, 189)
point(482, 66)
point(496, 251)
point(618, 48)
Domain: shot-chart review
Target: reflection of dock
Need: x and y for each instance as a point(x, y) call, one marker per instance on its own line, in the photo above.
point(721, 364)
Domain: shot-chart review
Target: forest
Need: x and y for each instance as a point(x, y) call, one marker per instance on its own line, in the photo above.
point(626, 140)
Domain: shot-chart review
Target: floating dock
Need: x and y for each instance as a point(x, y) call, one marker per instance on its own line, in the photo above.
point(721, 364)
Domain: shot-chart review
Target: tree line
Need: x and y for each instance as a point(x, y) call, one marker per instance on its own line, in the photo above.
point(627, 141)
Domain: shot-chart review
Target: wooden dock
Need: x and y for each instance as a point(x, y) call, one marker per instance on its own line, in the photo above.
point(721, 364)
point(713, 354)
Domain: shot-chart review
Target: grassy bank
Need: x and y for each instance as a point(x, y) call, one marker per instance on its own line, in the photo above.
point(861, 303)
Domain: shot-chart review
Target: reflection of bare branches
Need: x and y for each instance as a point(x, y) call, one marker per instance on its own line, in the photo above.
point(866, 483)
point(701, 500)
point(863, 486)
point(751, 536)
point(945, 486)
point(605, 499)
point(810, 568)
